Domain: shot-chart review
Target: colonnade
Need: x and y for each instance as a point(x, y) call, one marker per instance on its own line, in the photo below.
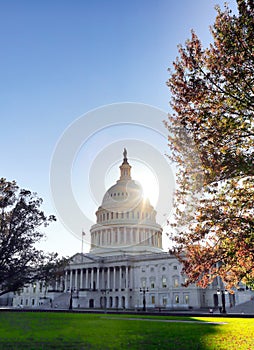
point(111, 236)
point(116, 278)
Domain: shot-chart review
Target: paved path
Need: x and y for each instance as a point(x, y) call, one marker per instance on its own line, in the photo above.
point(161, 320)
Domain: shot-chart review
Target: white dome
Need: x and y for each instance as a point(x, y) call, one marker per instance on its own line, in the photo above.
point(125, 220)
point(125, 195)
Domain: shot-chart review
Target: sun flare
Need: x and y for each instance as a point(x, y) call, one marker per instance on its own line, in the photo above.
point(143, 174)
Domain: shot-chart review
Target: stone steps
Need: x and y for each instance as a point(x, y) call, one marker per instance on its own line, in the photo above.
point(244, 308)
point(62, 301)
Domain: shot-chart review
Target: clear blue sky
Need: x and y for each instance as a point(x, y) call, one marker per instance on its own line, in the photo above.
point(60, 59)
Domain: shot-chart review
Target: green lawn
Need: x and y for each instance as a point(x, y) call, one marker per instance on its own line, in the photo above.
point(39, 330)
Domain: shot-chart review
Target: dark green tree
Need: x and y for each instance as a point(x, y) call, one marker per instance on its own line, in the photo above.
point(21, 221)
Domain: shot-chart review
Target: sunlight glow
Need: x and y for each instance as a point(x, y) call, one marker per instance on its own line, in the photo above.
point(140, 172)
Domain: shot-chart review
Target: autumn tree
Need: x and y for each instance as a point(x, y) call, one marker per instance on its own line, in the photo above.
point(211, 137)
point(21, 221)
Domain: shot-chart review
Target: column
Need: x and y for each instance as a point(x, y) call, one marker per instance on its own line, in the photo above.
point(160, 240)
point(92, 273)
point(108, 278)
point(65, 281)
point(125, 235)
point(70, 279)
point(108, 237)
point(81, 279)
point(86, 285)
point(130, 284)
point(98, 278)
point(126, 277)
point(114, 278)
point(150, 237)
point(76, 279)
point(102, 278)
point(118, 235)
point(120, 277)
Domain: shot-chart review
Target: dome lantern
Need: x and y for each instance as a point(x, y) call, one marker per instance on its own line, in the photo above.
point(125, 168)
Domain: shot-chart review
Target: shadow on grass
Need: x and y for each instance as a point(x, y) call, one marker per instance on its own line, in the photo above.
point(97, 331)
point(179, 333)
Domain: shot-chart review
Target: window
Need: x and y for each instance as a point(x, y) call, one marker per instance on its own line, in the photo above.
point(164, 282)
point(122, 215)
point(164, 301)
point(138, 214)
point(112, 215)
point(164, 268)
point(117, 215)
point(176, 282)
point(152, 269)
point(40, 287)
point(186, 299)
point(175, 267)
point(107, 216)
point(34, 288)
point(153, 299)
point(103, 217)
point(177, 299)
point(152, 285)
point(32, 301)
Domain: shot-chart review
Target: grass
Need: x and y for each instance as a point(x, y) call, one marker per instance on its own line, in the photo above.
point(39, 330)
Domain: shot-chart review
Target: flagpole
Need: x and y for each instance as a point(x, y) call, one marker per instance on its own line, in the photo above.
point(82, 244)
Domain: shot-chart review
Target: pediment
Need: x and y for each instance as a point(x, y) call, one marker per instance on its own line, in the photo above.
point(83, 259)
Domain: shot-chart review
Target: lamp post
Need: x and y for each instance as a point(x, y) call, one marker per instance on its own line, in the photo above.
point(73, 296)
point(70, 305)
point(104, 298)
point(144, 291)
point(223, 300)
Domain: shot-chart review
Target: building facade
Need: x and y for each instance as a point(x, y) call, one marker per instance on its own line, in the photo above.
point(126, 267)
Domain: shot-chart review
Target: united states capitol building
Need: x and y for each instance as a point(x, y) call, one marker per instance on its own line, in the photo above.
point(126, 267)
